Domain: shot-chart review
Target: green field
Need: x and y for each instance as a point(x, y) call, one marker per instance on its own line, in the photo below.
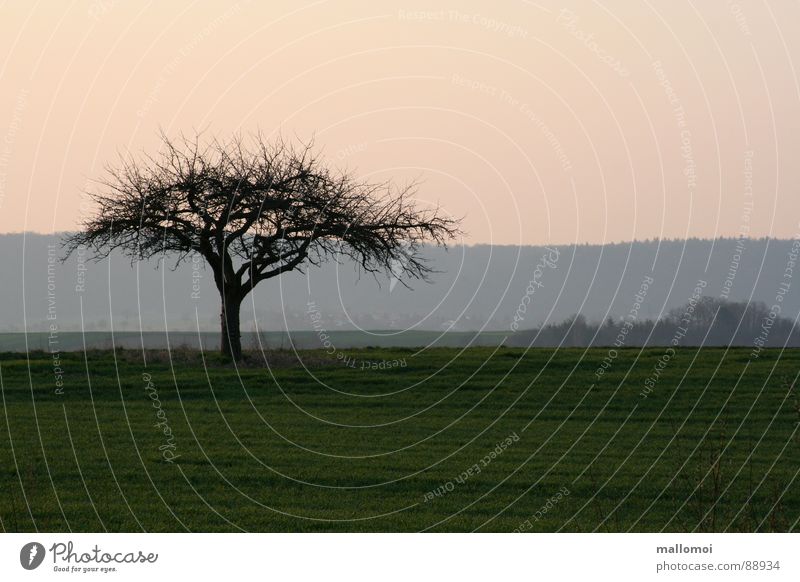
point(329, 447)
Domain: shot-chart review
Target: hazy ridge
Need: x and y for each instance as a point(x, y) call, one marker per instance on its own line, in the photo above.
point(478, 287)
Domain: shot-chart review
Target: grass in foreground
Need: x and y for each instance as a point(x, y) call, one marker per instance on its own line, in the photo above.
point(442, 440)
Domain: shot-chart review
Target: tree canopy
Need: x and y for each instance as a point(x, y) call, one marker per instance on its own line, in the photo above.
point(254, 209)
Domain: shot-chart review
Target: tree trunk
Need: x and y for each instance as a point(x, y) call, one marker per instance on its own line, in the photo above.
point(231, 338)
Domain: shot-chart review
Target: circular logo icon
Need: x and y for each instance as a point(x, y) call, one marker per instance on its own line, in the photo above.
point(31, 555)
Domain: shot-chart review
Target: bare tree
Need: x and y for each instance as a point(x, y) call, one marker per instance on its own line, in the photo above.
point(254, 210)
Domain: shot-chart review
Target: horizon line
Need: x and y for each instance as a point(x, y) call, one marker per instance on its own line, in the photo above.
point(542, 244)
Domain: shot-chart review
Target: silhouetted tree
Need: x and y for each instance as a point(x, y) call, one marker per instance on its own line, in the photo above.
point(254, 210)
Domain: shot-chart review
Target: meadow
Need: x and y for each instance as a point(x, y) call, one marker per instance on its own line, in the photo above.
point(396, 439)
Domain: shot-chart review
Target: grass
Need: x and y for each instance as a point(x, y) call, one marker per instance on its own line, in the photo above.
point(327, 446)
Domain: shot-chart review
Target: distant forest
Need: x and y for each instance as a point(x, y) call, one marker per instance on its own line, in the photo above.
point(709, 322)
point(476, 289)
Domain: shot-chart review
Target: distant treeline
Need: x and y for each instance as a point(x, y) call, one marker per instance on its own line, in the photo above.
point(708, 321)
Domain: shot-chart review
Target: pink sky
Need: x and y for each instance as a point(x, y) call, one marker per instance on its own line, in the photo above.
point(539, 122)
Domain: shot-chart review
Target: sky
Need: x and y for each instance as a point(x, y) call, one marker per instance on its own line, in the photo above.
point(537, 122)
